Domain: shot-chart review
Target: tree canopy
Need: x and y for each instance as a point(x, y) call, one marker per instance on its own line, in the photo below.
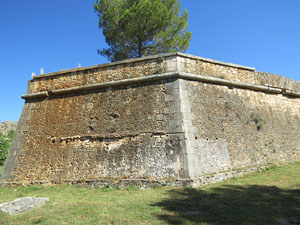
point(136, 28)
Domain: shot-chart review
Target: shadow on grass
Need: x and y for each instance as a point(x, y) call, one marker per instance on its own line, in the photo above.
point(231, 204)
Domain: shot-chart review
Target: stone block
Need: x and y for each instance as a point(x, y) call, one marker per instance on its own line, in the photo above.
point(22, 205)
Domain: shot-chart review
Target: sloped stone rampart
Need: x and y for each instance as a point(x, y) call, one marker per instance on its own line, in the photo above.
point(171, 116)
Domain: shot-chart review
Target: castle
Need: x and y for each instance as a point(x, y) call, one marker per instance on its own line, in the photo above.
point(170, 118)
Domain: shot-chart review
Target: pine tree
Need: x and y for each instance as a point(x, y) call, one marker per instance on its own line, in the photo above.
point(136, 28)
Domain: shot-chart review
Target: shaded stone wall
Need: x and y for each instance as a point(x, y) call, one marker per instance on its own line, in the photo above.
point(236, 128)
point(159, 117)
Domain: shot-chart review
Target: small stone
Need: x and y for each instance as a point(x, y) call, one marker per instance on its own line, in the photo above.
point(22, 205)
point(192, 213)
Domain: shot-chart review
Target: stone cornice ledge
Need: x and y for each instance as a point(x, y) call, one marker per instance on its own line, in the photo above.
point(163, 76)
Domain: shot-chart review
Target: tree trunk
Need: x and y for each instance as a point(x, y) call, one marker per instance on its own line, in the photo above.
point(140, 48)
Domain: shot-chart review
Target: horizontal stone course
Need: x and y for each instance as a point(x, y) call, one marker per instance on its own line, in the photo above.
point(172, 92)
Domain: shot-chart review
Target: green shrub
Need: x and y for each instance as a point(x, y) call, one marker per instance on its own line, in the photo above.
point(4, 146)
point(11, 134)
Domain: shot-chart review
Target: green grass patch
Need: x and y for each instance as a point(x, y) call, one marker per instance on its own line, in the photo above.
point(1, 168)
point(268, 197)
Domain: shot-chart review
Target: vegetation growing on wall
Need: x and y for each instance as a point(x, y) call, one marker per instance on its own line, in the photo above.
point(257, 119)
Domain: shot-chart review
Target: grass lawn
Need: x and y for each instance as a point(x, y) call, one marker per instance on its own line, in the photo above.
point(1, 167)
point(269, 197)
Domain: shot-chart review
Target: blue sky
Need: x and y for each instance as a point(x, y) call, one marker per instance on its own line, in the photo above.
point(60, 34)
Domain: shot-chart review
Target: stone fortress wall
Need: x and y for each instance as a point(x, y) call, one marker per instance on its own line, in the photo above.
point(165, 117)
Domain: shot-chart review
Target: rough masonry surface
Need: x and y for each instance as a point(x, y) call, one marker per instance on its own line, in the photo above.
point(165, 117)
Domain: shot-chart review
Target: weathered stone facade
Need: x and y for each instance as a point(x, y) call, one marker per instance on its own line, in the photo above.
point(171, 116)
